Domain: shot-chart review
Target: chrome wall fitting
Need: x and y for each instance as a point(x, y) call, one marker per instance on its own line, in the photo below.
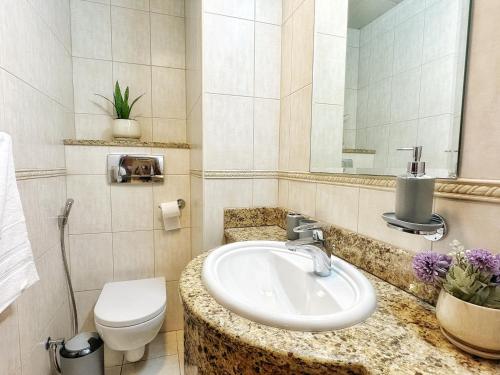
point(434, 231)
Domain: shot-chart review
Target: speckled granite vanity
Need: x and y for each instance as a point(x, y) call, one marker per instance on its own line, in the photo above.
point(401, 337)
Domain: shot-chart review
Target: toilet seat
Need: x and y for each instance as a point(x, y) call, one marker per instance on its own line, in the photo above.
point(129, 303)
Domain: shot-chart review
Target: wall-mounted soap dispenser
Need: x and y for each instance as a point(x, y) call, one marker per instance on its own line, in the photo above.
point(414, 191)
point(414, 198)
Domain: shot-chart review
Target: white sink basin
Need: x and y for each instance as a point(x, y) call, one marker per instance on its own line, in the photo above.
point(269, 284)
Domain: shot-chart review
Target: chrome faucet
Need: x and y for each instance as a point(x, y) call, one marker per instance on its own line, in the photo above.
point(313, 246)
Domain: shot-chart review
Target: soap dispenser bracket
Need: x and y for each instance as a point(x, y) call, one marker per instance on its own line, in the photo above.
point(433, 231)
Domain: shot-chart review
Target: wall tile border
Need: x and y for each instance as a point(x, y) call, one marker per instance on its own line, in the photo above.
point(28, 174)
point(462, 189)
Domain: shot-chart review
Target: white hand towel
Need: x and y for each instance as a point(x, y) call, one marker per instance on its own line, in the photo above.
point(171, 215)
point(17, 266)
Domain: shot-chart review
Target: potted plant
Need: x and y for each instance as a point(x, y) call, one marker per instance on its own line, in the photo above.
point(468, 307)
point(123, 125)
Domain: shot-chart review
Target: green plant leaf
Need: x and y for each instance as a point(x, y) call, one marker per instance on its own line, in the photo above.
point(493, 299)
point(119, 104)
point(135, 101)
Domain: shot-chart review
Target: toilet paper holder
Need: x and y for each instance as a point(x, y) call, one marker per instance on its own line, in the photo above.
point(180, 202)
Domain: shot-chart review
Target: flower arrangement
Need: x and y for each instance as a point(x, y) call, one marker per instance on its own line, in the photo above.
point(470, 275)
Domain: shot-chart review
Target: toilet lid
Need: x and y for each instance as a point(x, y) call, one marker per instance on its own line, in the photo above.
point(127, 303)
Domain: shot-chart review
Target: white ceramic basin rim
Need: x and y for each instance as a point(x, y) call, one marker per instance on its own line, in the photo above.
point(265, 282)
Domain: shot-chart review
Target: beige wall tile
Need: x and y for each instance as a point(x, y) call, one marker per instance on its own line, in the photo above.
point(286, 57)
point(266, 134)
point(91, 212)
point(133, 4)
point(372, 204)
point(131, 208)
point(90, 30)
point(176, 160)
point(93, 126)
point(174, 187)
point(300, 130)
point(133, 255)
point(268, 11)
point(167, 41)
point(479, 150)
point(234, 8)
point(174, 318)
point(302, 46)
point(169, 130)
point(138, 79)
point(91, 259)
point(220, 194)
point(131, 35)
point(9, 346)
point(338, 205)
point(228, 132)
point(285, 125)
point(172, 7)
point(169, 93)
point(172, 252)
point(265, 193)
point(228, 67)
point(475, 224)
point(86, 160)
point(302, 197)
point(267, 60)
point(85, 303)
point(331, 17)
point(283, 193)
point(92, 77)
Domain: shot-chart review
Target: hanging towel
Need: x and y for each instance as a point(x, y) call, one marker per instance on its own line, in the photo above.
point(17, 266)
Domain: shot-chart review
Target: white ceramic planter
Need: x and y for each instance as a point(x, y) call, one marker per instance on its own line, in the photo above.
point(474, 329)
point(126, 129)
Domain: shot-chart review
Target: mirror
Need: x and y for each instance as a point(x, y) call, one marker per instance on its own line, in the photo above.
point(388, 74)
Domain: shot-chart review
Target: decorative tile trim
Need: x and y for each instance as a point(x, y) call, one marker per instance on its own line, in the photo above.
point(463, 189)
point(214, 174)
point(196, 173)
point(124, 143)
point(28, 174)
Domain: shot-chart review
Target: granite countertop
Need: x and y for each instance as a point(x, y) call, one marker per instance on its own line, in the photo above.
point(124, 142)
point(401, 337)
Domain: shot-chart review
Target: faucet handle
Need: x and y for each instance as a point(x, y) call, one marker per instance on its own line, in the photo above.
point(307, 227)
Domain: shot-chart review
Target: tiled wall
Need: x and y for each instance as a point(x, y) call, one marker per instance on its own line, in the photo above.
point(296, 85)
point(329, 67)
point(116, 232)
point(194, 117)
point(351, 88)
point(410, 86)
point(141, 44)
point(36, 109)
point(241, 105)
point(473, 223)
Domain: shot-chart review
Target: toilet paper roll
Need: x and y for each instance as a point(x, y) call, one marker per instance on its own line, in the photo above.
point(171, 215)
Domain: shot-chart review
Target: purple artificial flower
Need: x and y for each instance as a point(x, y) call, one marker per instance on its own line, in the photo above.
point(430, 267)
point(495, 279)
point(483, 260)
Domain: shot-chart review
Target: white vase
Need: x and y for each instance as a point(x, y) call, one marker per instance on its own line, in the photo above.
point(126, 129)
point(474, 329)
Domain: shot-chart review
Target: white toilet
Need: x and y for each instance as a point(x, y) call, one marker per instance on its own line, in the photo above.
point(129, 314)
